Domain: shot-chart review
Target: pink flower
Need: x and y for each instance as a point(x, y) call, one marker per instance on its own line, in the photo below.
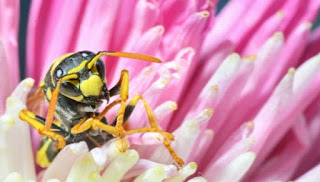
point(244, 84)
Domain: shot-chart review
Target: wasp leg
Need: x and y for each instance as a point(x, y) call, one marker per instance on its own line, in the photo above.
point(38, 124)
point(154, 127)
point(86, 124)
point(123, 113)
point(54, 99)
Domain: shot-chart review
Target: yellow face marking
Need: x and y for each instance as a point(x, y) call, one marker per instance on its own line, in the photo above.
point(74, 82)
point(49, 94)
point(94, 69)
point(76, 98)
point(42, 158)
point(91, 86)
point(78, 68)
point(55, 64)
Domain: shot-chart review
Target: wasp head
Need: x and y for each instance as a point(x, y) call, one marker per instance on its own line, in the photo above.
point(89, 86)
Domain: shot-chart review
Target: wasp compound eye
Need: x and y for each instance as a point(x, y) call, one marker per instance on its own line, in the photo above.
point(59, 73)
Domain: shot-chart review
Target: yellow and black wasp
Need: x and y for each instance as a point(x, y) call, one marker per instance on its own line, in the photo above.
point(75, 87)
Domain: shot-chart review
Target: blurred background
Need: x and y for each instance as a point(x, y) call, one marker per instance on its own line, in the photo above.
point(24, 11)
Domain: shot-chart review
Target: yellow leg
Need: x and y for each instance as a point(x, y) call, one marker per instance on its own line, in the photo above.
point(118, 130)
point(94, 122)
point(30, 117)
point(124, 91)
point(54, 99)
point(154, 127)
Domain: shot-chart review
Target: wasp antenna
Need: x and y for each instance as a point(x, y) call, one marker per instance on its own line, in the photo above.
point(124, 55)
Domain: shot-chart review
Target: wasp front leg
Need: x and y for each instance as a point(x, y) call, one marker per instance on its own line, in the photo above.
point(121, 87)
point(38, 124)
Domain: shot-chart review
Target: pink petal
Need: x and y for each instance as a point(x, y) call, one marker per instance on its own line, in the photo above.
point(205, 70)
point(313, 46)
point(142, 165)
point(9, 21)
point(251, 21)
point(269, 27)
point(285, 106)
point(223, 25)
point(5, 92)
point(233, 171)
point(147, 43)
point(285, 157)
point(310, 176)
point(189, 34)
point(290, 54)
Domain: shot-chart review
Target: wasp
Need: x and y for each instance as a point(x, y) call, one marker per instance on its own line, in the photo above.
point(75, 87)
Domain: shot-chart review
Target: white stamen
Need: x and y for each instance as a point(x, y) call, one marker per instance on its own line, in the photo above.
point(306, 71)
point(14, 177)
point(155, 174)
point(121, 163)
point(62, 164)
point(85, 169)
point(53, 180)
point(15, 135)
point(198, 179)
point(185, 172)
point(236, 169)
point(164, 110)
point(99, 156)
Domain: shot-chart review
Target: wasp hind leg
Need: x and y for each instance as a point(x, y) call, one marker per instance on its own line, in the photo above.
point(52, 141)
point(154, 127)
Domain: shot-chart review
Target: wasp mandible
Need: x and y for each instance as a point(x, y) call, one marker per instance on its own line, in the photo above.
point(75, 87)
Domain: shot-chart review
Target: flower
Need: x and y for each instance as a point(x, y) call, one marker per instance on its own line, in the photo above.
point(250, 115)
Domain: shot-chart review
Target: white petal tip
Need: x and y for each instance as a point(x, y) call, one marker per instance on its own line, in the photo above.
point(204, 14)
point(77, 148)
point(307, 25)
point(14, 177)
point(291, 71)
point(159, 29)
point(208, 112)
point(155, 174)
point(198, 179)
point(234, 56)
point(250, 125)
point(278, 36)
point(53, 180)
point(249, 58)
point(172, 105)
point(149, 70)
point(215, 88)
point(280, 14)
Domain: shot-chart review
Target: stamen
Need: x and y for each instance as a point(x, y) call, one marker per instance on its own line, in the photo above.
point(120, 164)
point(157, 174)
point(280, 13)
point(184, 173)
point(85, 169)
point(198, 179)
point(14, 176)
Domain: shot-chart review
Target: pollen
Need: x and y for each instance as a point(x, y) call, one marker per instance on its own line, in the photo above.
point(250, 57)
point(291, 71)
point(122, 144)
